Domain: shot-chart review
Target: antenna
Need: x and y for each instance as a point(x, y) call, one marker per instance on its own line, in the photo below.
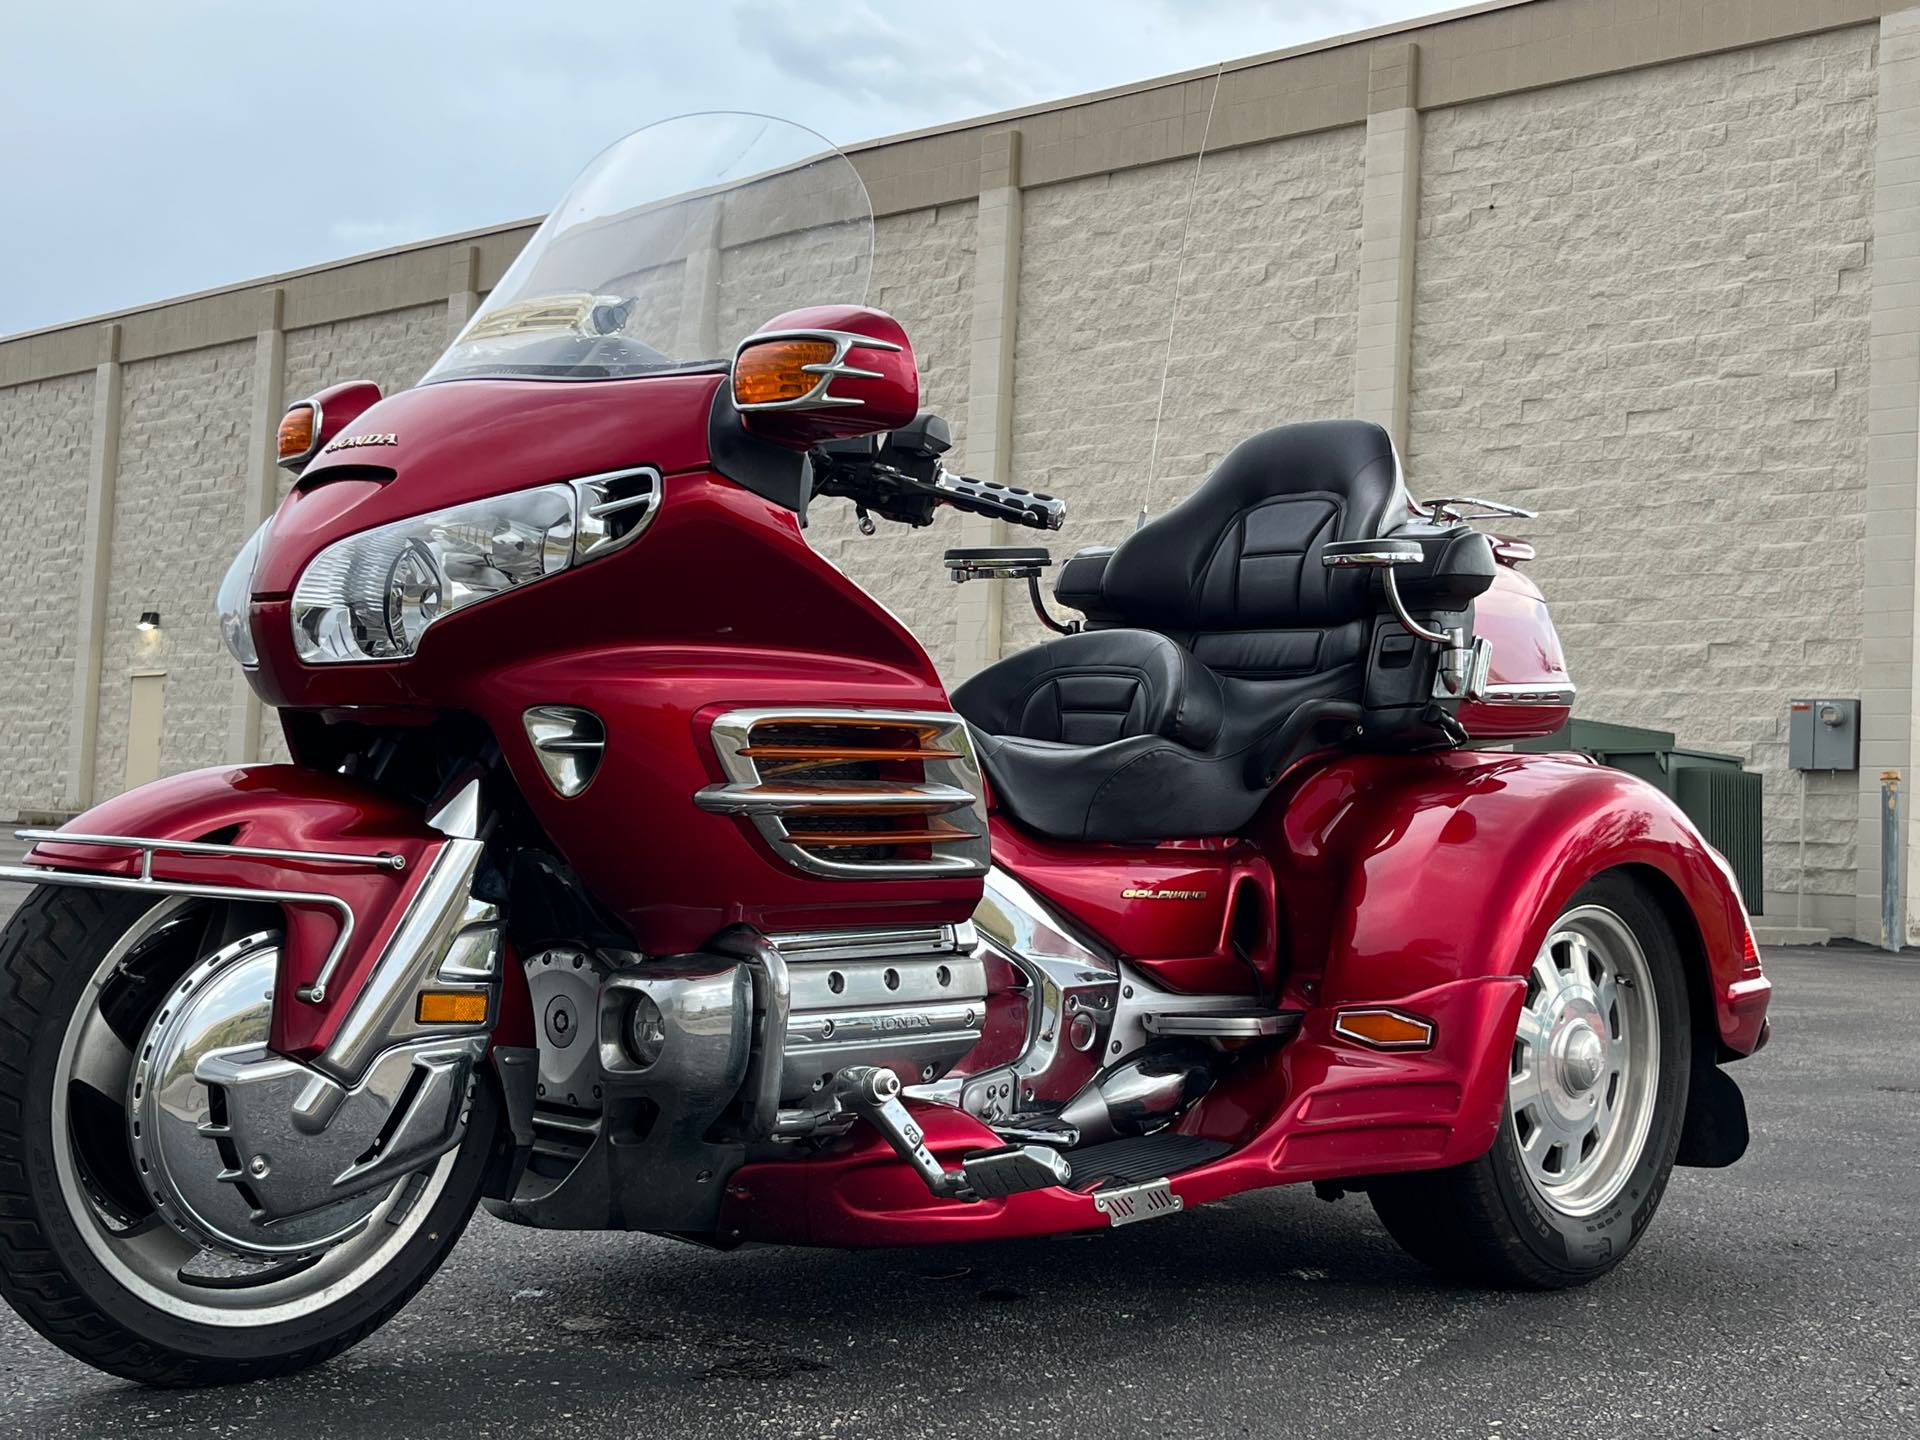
point(1179, 284)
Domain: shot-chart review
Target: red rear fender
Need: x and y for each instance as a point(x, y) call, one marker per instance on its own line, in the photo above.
point(1398, 874)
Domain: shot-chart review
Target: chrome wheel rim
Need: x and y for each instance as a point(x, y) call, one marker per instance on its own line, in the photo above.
point(1586, 1062)
point(150, 1256)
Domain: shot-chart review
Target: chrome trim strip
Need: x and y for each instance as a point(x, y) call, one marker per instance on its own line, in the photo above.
point(1509, 692)
point(739, 799)
point(904, 941)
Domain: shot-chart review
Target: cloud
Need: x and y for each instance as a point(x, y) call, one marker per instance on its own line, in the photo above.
point(854, 51)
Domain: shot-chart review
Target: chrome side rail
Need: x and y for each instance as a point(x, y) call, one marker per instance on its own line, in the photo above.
point(145, 883)
point(148, 848)
point(93, 880)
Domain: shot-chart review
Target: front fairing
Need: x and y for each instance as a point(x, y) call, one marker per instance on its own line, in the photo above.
point(720, 604)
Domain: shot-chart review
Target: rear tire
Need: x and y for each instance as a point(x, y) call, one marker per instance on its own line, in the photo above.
point(1520, 1216)
point(51, 1271)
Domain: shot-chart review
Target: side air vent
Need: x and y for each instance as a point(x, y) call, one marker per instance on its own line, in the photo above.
point(855, 792)
point(614, 509)
point(568, 742)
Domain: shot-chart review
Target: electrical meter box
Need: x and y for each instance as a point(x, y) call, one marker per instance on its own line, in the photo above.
point(1823, 734)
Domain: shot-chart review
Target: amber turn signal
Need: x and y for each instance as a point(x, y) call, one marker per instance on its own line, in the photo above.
point(1384, 1029)
point(452, 1007)
point(774, 371)
point(296, 433)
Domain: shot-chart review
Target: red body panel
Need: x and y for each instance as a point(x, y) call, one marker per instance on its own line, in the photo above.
point(285, 807)
point(1167, 908)
point(1317, 1109)
point(1398, 873)
point(339, 407)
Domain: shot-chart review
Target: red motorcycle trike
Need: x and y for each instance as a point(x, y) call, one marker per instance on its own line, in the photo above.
point(636, 870)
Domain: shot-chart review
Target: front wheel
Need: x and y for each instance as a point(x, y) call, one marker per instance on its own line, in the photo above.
point(1596, 1093)
point(96, 1249)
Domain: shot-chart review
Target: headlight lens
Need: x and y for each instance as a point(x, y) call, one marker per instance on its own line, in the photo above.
point(230, 600)
point(372, 595)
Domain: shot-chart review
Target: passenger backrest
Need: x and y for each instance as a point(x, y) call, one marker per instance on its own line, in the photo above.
point(1234, 572)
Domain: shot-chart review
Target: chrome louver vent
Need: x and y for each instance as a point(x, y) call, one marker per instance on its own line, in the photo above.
point(614, 509)
point(568, 742)
point(855, 792)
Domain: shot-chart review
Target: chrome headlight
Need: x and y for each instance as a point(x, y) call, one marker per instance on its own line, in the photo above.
point(230, 600)
point(372, 595)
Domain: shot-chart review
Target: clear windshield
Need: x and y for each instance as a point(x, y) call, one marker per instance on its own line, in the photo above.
point(672, 246)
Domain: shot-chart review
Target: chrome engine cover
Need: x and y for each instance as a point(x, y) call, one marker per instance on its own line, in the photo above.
point(912, 1000)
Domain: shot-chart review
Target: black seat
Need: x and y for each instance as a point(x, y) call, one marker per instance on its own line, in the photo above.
point(1205, 631)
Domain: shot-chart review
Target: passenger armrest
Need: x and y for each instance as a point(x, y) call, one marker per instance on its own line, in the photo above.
point(1081, 585)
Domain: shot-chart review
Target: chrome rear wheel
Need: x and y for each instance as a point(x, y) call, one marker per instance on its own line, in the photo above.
point(1596, 1096)
point(1586, 1062)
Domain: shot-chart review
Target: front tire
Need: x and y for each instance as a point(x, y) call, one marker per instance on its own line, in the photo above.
point(1597, 1092)
point(80, 1260)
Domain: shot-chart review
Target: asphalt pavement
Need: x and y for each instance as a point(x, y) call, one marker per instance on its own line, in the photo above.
point(1780, 1298)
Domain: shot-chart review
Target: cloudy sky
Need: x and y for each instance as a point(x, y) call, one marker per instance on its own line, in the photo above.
point(159, 148)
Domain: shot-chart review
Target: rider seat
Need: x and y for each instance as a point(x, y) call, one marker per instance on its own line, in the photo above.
point(1206, 630)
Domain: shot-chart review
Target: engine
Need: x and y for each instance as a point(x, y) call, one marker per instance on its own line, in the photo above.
point(913, 1001)
point(665, 1047)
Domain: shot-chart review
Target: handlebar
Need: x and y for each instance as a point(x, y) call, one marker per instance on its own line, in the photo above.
point(899, 476)
point(1032, 508)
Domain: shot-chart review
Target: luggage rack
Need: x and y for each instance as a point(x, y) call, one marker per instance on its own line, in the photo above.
point(146, 883)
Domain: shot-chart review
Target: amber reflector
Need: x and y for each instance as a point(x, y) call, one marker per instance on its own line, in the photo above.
point(1384, 1029)
point(774, 370)
point(452, 1007)
point(296, 432)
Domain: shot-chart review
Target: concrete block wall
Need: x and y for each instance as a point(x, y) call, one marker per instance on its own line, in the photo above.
point(1642, 307)
point(1649, 268)
point(923, 276)
point(45, 445)
point(393, 350)
point(177, 522)
point(1264, 332)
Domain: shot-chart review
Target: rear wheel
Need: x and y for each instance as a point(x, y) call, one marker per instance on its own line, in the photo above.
point(1596, 1093)
point(101, 1249)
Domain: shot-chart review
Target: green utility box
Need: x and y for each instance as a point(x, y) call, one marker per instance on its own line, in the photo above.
point(1718, 792)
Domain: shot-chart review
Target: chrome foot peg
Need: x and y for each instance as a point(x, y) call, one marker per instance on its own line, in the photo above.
point(1013, 1168)
point(873, 1093)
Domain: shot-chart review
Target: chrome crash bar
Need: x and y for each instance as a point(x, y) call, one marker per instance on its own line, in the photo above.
point(145, 883)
